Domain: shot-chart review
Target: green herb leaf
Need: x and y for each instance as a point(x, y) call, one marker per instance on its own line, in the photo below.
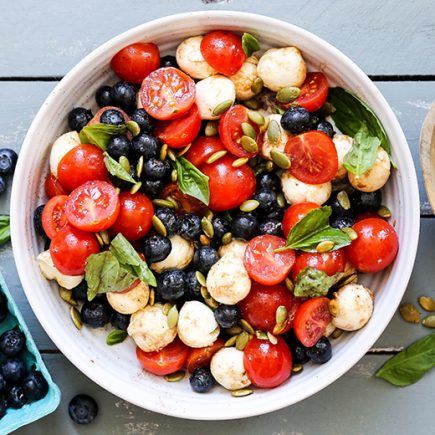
point(409, 366)
point(100, 134)
point(5, 228)
point(351, 113)
point(362, 156)
point(250, 44)
point(116, 336)
point(312, 282)
point(192, 181)
point(117, 170)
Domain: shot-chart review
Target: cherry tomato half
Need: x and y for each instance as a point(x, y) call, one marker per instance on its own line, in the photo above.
point(376, 246)
point(53, 215)
point(267, 365)
point(53, 187)
point(314, 92)
point(167, 360)
point(202, 148)
point(70, 249)
point(135, 216)
point(311, 320)
point(263, 264)
point(229, 186)
point(134, 62)
point(201, 357)
point(167, 93)
point(295, 213)
point(313, 157)
point(188, 204)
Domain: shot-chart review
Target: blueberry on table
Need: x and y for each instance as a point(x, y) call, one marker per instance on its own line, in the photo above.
point(16, 397)
point(189, 226)
point(3, 185)
point(227, 316)
point(35, 386)
point(141, 117)
point(204, 258)
point(321, 352)
point(37, 220)
point(146, 145)
point(152, 187)
point(156, 248)
point(296, 120)
point(172, 284)
point(112, 117)
point(8, 161)
point(168, 60)
point(168, 218)
point(123, 95)
point(327, 128)
point(267, 200)
point(366, 201)
point(12, 342)
point(13, 370)
point(80, 292)
point(201, 380)
point(268, 180)
point(244, 226)
point(95, 313)
point(119, 146)
point(220, 226)
point(103, 97)
point(78, 118)
point(154, 169)
point(82, 409)
point(120, 321)
point(271, 227)
point(193, 287)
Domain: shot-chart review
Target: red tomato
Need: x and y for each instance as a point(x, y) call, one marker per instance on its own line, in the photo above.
point(295, 213)
point(83, 163)
point(267, 365)
point(167, 360)
point(201, 357)
point(135, 216)
point(314, 92)
point(167, 93)
point(259, 307)
point(97, 116)
point(263, 264)
point(229, 186)
point(134, 62)
point(93, 206)
point(313, 157)
point(329, 262)
point(230, 130)
point(53, 215)
point(376, 246)
point(188, 204)
point(202, 148)
point(311, 320)
point(53, 187)
point(223, 51)
point(181, 131)
point(70, 249)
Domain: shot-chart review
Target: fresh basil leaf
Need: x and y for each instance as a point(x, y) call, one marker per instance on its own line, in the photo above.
point(116, 336)
point(409, 366)
point(100, 134)
point(5, 228)
point(117, 170)
point(351, 113)
point(312, 282)
point(192, 181)
point(250, 44)
point(362, 156)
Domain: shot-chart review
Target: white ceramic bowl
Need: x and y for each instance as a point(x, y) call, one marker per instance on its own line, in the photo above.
point(115, 368)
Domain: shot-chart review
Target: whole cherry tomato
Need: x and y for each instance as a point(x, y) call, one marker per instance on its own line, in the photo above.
point(314, 92)
point(295, 213)
point(202, 148)
point(201, 357)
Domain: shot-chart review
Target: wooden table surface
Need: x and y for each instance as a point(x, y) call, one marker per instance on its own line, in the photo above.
point(393, 41)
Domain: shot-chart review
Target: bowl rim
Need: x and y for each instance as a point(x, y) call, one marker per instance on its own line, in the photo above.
point(114, 385)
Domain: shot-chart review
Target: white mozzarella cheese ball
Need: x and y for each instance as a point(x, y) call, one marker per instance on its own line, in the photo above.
point(296, 191)
point(351, 307)
point(228, 281)
point(211, 92)
point(228, 369)
point(343, 144)
point(282, 67)
point(149, 328)
point(49, 271)
point(197, 326)
point(280, 146)
point(236, 248)
point(190, 59)
point(179, 258)
point(376, 176)
point(244, 78)
point(61, 146)
point(131, 301)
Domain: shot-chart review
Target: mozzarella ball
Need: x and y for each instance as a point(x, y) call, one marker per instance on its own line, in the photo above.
point(179, 258)
point(282, 67)
point(296, 191)
point(190, 59)
point(149, 328)
point(267, 147)
point(197, 326)
point(49, 271)
point(351, 307)
point(376, 176)
point(236, 248)
point(228, 281)
point(131, 301)
point(228, 369)
point(343, 144)
point(61, 146)
point(211, 92)
point(244, 78)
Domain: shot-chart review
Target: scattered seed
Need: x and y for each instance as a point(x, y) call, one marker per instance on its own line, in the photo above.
point(247, 327)
point(204, 292)
point(216, 156)
point(174, 203)
point(429, 321)
point(105, 236)
point(172, 155)
point(133, 127)
point(75, 316)
point(353, 277)
point(222, 107)
point(67, 296)
point(174, 175)
point(163, 203)
point(159, 226)
point(261, 335)
point(184, 150)
point(269, 166)
point(260, 168)
point(239, 162)
point(279, 328)
point(265, 126)
point(288, 95)
point(226, 238)
point(136, 187)
point(427, 303)
point(172, 317)
point(166, 308)
point(337, 333)
point(343, 199)
point(249, 144)
point(207, 227)
point(241, 393)
point(231, 341)
point(353, 235)
point(289, 284)
point(211, 129)
point(253, 104)
point(139, 166)
point(384, 212)
point(248, 130)
point(257, 85)
point(152, 297)
point(116, 336)
point(409, 313)
point(125, 163)
point(175, 377)
point(274, 132)
point(249, 205)
point(324, 246)
point(280, 199)
point(256, 117)
point(118, 190)
point(164, 151)
point(280, 159)
point(234, 330)
point(201, 278)
point(281, 314)
point(272, 338)
point(297, 368)
point(211, 303)
point(209, 214)
point(204, 240)
point(242, 340)
point(99, 239)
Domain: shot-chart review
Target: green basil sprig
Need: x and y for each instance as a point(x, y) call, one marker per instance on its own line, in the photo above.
point(192, 181)
point(312, 282)
point(409, 366)
point(116, 336)
point(250, 44)
point(100, 134)
point(117, 170)
point(5, 228)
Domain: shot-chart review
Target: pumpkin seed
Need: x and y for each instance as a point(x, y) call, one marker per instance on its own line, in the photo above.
point(184, 150)
point(272, 338)
point(171, 155)
point(159, 226)
point(248, 130)
point(216, 156)
point(429, 321)
point(125, 163)
point(152, 297)
point(211, 303)
point(249, 205)
point(279, 328)
point(174, 203)
point(253, 104)
point(139, 166)
point(204, 292)
point(222, 107)
point(105, 236)
point(226, 238)
point(337, 333)
point(249, 144)
point(427, 303)
point(269, 166)
point(163, 151)
point(242, 340)
point(281, 314)
point(384, 212)
point(256, 117)
point(207, 227)
point(261, 335)
point(201, 278)
point(136, 187)
point(116, 336)
point(260, 168)
point(163, 203)
point(280, 199)
point(118, 190)
point(247, 327)
point(209, 215)
point(174, 175)
point(353, 277)
point(239, 162)
point(175, 377)
point(75, 316)
point(257, 85)
point(343, 199)
point(67, 296)
point(265, 126)
point(234, 330)
point(166, 308)
point(288, 95)
point(241, 393)
point(204, 240)
point(353, 235)
point(231, 341)
point(324, 246)
point(297, 368)
point(289, 284)
point(280, 159)
point(133, 127)
point(99, 239)
point(409, 313)
point(274, 132)
point(211, 129)
point(172, 317)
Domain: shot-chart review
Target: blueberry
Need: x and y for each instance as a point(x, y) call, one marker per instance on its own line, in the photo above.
point(337, 208)
point(3, 184)
point(268, 180)
point(37, 220)
point(145, 122)
point(123, 95)
point(172, 284)
point(201, 380)
point(78, 118)
point(267, 200)
point(168, 60)
point(271, 227)
point(327, 128)
point(12, 342)
point(168, 218)
point(299, 353)
point(13, 370)
point(16, 397)
point(35, 386)
point(193, 287)
point(296, 120)
point(120, 321)
point(82, 409)
point(80, 292)
point(189, 226)
point(204, 258)
point(146, 145)
point(366, 201)
point(321, 352)
point(8, 161)
point(227, 316)
point(119, 146)
point(156, 248)
point(244, 226)
point(112, 117)
point(154, 169)
point(341, 222)
point(95, 313)
point(152, 187)
point(103, 97)
point(277, 213)
point(220, 226)
point(3, 307)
